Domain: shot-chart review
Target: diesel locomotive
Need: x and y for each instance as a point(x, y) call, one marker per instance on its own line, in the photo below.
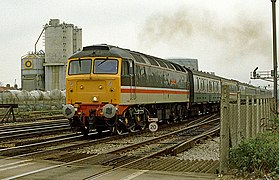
point(108, 87)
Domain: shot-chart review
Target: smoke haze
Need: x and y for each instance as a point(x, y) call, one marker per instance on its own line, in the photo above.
point(227, 39)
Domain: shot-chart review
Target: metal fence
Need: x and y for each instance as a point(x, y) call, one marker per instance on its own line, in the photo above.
point(241, 118)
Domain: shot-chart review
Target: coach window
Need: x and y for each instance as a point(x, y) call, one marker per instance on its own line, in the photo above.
point(215, 87)
point(218, 87)
point(198, 83)
point(210, 86)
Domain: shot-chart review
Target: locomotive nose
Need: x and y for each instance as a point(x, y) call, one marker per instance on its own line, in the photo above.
point(68, 111)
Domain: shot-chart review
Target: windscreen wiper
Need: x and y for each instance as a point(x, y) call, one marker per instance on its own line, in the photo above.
point(102, 62)
point(79, 63)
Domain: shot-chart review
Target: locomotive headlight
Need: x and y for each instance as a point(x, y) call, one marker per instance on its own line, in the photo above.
point(100, 87)
point(95, 98)
point(81, 86)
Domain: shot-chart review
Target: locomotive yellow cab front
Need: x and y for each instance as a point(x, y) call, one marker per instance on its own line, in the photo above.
point(92, 88)
point(93, 81)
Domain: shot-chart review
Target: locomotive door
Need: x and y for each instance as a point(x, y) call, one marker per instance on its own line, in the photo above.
point(132, 80)
point(128, 78)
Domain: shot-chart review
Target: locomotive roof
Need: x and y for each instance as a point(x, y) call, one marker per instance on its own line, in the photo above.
point(113, 51)
point(101, 50)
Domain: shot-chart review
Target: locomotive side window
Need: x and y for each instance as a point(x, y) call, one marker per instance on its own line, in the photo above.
point(105, 66)
point(152, 61)
point(125, 68)
point(81, 66)
point(160, 62)
point(218, 87)
point(138, 58)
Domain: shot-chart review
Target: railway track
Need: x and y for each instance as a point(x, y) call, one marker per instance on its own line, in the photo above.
point(25, 130)
point(36, 147)
point(32, 116)
point(138, 155)
point(41, 143)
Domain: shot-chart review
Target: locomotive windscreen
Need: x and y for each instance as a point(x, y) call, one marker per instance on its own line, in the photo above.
point(105, 66)
point(80, 66)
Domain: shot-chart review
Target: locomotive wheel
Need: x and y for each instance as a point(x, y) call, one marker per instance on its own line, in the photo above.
point(100, 132)
point(119, 128)
point(85, 131)
point(176, 119)
point(130, 122)
point(133, 128)
point(185, 113)
point(85, 128)
point(143, 120)
point(169, 121)
point(178, 115)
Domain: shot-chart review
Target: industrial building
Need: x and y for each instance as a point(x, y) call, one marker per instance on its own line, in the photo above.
point(46, 70)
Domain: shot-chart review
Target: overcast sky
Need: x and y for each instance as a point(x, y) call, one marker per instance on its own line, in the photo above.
point(228, 37)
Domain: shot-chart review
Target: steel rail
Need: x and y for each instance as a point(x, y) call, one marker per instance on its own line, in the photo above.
point(166, 150)
point(11, 132)
point(80, 159)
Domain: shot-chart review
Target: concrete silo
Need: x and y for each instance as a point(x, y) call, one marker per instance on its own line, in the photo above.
point(61, 41)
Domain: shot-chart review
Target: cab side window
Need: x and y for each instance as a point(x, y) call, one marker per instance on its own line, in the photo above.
point(125, 74)
point(125, 68)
